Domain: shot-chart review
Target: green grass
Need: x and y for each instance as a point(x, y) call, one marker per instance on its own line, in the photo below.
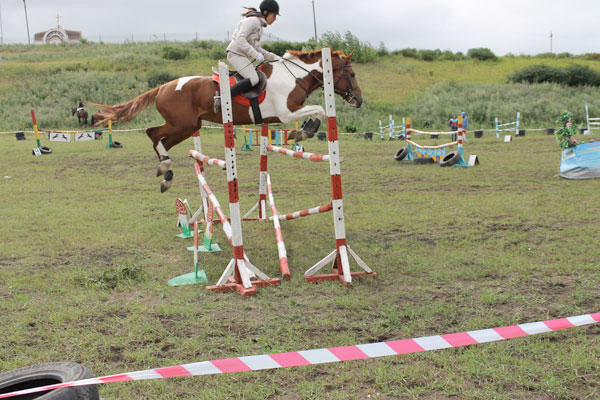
point(89, 245)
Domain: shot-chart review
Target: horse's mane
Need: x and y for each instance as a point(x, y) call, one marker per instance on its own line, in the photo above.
point(313, 56)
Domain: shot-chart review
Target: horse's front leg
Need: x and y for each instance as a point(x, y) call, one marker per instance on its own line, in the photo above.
point(310, 127)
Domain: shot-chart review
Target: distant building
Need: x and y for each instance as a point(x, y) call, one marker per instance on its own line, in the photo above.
point(57, 35)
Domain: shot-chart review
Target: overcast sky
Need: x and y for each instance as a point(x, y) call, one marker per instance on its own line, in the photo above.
point(504, 26)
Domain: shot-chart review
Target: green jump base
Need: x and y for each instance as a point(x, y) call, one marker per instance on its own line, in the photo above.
point(214, 248)
point(189, 279)
point(186, 235)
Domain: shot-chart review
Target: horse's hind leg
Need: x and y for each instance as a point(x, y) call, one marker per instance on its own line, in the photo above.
point(164, 137)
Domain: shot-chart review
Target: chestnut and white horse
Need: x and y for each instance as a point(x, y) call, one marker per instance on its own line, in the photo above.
point(185, 102)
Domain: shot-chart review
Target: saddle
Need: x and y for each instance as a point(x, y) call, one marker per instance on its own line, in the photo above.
point(251, 98)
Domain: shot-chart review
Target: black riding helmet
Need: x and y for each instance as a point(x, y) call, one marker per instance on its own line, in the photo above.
point(270, 6)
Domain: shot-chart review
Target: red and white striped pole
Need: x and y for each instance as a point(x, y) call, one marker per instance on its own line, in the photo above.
point(341, 266)
point(241, 278)
point(283, 262)
point(262, 183)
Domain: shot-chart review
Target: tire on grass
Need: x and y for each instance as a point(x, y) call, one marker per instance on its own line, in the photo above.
point(450, 159)
point(50, 374)
point(401, 154)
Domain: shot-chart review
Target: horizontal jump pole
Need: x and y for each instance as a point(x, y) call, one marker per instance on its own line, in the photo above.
point(416, 132)
point(432, 147)
point(298, 154)
point(508, 123)
point(207, 160)
point(304, 213)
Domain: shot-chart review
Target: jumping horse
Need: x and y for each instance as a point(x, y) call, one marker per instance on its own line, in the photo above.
point(82, 115)
point(185, 102)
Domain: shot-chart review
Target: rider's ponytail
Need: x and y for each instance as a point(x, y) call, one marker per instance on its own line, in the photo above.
point(250, 11)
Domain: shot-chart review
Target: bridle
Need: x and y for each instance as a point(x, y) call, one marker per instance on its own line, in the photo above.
point(347, 95)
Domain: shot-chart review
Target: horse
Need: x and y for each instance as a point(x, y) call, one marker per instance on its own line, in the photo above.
point(95, 119)
point(185, 102)
point(82, 115)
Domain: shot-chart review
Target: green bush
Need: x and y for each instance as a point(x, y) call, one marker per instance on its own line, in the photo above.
point(482, 54)
point(428, 55)
point(363, 51)
point(217, 53)
point(280, 47)
point(409, 53)
point(157, 78)
point(174, 53)
point(574, 75)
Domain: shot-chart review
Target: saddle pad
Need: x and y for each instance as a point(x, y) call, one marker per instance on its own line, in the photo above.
point(240, 99)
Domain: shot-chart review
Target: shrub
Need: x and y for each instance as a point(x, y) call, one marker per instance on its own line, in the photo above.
point(280, 47)
point(382, 50)
point(580, 75)
point(217, 52)
point(174, 53)
point(363, 51)
point(537, 74)
point(427, 55)
point(482, 53)
point(157, 78)
point(409, 53)
point(574, 75)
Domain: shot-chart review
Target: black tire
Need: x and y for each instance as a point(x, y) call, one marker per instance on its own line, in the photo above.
point(450, 159)
point(45, 150)
point(423, 160)
point(50, 374)
point(368, 135)
point(117, 145)
point(401, 154)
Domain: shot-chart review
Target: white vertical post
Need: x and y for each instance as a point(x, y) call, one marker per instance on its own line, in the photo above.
point(587, 119)
point(497, 131)
point(518, 123)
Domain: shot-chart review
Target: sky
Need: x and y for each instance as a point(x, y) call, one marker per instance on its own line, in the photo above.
point(504, 26)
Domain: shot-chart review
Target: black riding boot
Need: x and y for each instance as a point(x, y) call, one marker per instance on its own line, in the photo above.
point(240, 87)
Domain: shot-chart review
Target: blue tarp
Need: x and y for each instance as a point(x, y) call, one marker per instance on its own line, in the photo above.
point(581, 161)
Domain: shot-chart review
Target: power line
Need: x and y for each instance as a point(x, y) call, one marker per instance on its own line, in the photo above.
point(1, 31)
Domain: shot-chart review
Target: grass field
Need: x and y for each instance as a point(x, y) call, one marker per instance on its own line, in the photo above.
point(88, 245)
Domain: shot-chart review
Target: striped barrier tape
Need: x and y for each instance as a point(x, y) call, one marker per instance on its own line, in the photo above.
point(332, 354)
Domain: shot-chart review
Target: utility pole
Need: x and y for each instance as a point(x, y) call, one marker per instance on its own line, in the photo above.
point(1, 32)
point(314, 19)
point(550, 42)
point(27, 22)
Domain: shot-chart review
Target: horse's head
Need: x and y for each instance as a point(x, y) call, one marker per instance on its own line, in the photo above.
point(344, 78)
point(73, 111)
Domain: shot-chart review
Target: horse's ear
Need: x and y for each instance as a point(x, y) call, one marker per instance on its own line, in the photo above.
point(349, 56)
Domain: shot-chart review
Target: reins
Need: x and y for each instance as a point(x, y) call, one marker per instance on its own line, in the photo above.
point(349, 95)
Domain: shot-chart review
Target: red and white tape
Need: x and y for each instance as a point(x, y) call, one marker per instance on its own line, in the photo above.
point(332, 354)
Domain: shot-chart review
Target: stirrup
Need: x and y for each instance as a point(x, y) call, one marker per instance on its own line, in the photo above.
point(217, 102)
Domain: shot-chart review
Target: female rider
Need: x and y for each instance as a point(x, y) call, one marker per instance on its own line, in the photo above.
point(245, 46)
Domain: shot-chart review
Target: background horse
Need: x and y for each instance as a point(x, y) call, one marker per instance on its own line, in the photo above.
point(185, 102)
point(82, 115)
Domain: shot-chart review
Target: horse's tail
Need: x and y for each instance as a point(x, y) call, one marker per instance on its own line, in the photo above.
point(127, 111)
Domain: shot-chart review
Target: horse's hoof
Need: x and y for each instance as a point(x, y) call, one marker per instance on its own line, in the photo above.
point(164, 186)
point(300, 136)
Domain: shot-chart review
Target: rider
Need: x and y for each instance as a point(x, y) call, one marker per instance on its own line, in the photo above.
point(80, 106)
point(245, 46)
